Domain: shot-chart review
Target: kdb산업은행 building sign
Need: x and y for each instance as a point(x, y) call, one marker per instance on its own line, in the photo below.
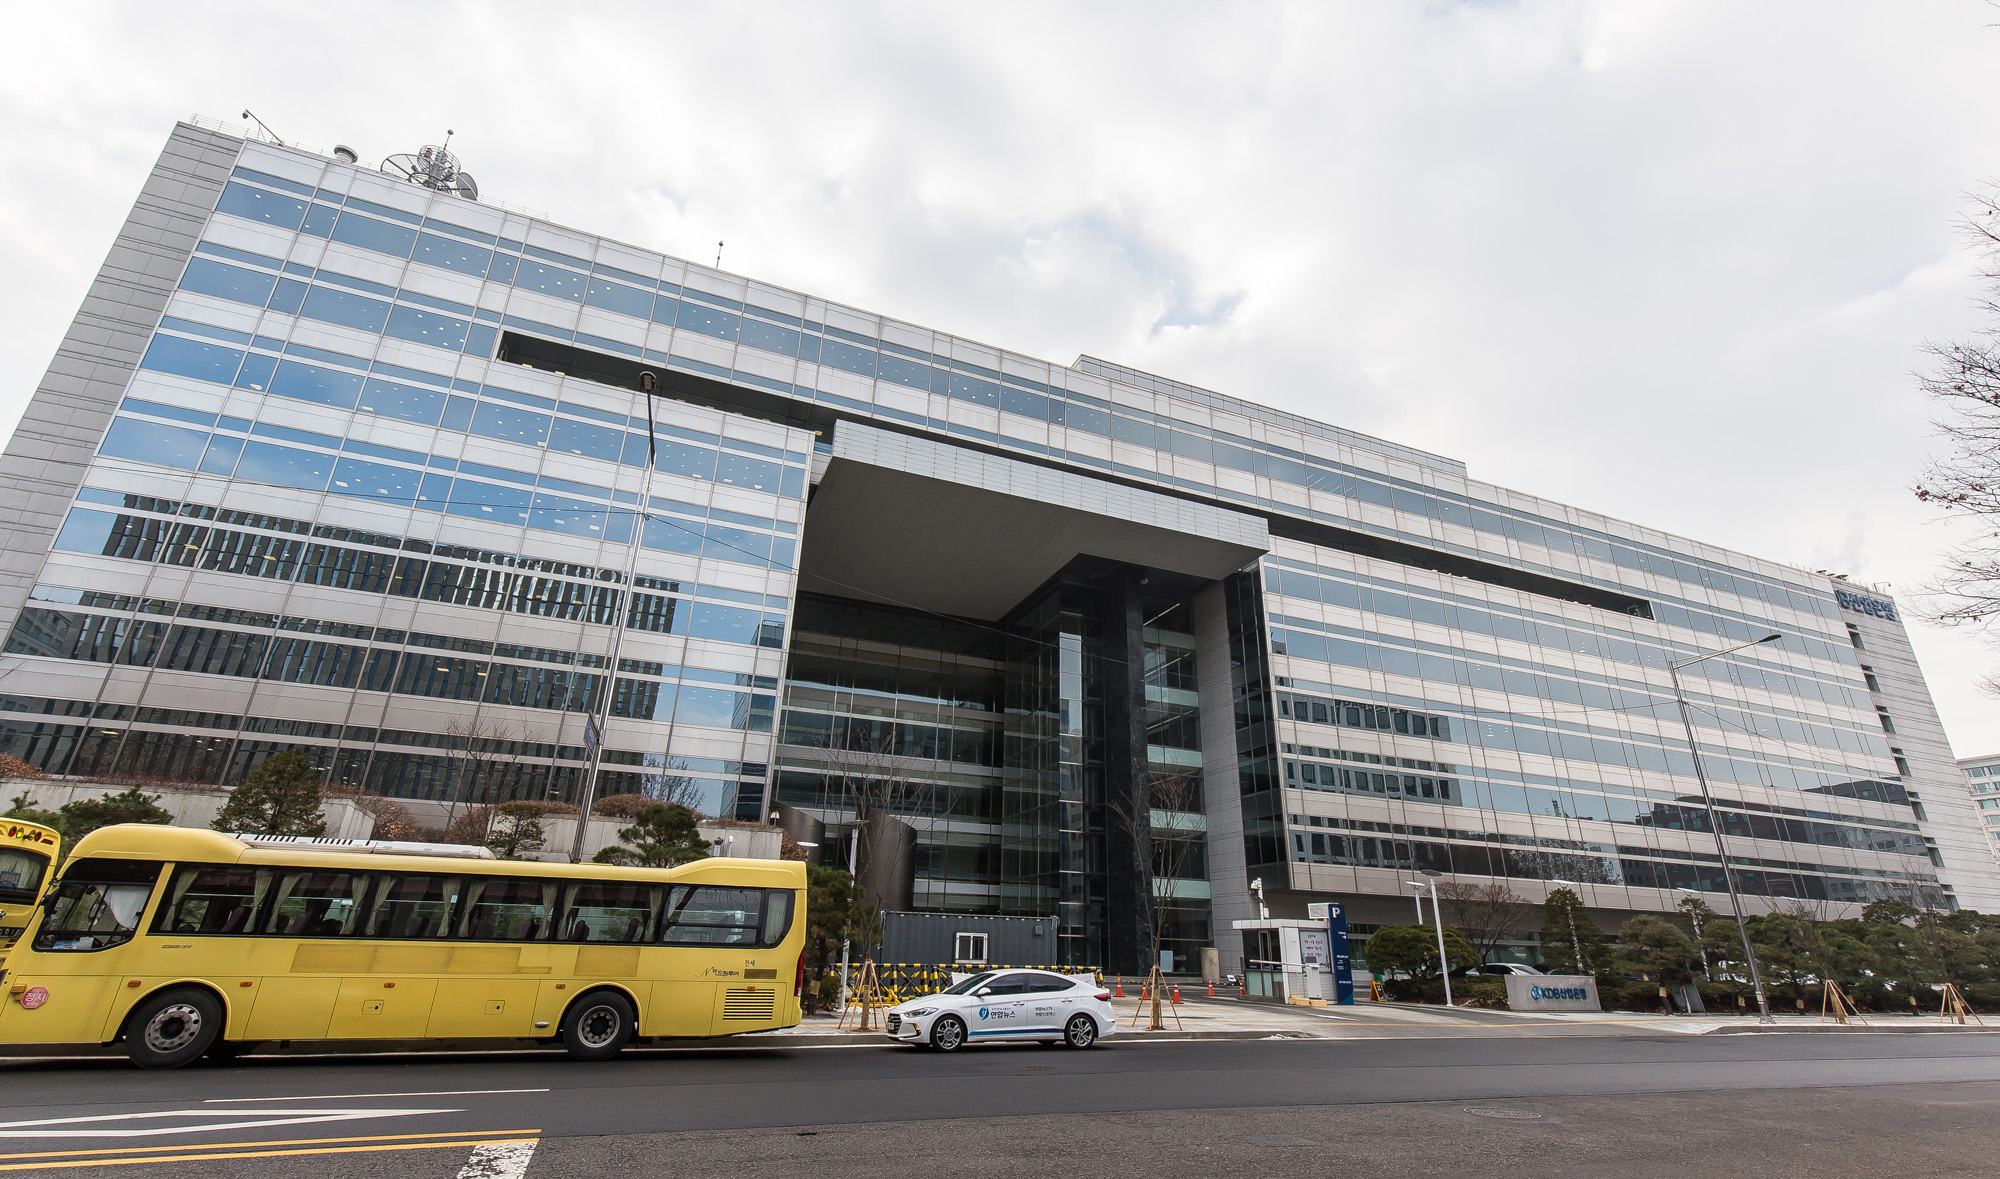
point(1863, 604)
point(1552, 992)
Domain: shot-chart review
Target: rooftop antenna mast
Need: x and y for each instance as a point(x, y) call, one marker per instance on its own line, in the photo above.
point(434, 168)
point(260, 123)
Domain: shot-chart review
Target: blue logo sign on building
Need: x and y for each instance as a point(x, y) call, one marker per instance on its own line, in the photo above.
point(1863, 604)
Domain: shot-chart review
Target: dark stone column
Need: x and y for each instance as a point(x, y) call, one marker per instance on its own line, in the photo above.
point(1127, 812)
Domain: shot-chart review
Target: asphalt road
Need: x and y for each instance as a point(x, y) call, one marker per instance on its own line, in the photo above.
point(1771, 1105)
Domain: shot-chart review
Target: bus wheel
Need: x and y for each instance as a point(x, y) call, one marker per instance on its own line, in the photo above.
point(598, 1026)
point(173, 1028)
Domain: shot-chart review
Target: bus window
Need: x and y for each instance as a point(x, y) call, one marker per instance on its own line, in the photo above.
point(413, 906)
point(605, 912)
point(21, 873)
point(709, 915)
point(212, 899)
point(97, 905)
point(507, 910)
point(777, 916)
point(317, 904)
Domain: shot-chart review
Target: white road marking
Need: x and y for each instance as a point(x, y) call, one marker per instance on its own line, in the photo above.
point(498, 1160)
point(40, 1127)
point(352, 1096)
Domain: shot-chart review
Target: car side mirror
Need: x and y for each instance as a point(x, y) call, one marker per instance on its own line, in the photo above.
point(983, 992)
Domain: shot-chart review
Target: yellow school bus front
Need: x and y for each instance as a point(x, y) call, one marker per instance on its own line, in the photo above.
point(27, 856)
point(310, 943)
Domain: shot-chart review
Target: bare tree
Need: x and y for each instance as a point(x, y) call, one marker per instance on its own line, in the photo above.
point(1963, 381)
point(486, 759)
point(1487, 914)
point(1169, 854)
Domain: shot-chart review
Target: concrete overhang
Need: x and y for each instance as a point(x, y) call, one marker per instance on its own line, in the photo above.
point(919, 522)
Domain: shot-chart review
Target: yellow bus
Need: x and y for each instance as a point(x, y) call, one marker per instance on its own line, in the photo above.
point(180, 943)
point(26, 852)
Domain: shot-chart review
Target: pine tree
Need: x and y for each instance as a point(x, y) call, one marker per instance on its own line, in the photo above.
point(660, 836)
point(281, 797)
point(85, 815)
point(1571, 942)
point(516, 830)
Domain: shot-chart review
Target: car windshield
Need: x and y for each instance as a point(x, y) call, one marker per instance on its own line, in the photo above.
point(965, 987)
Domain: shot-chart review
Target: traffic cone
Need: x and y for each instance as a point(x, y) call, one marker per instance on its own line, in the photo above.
point(1211, 988)
point(1121, 986)
point(1177, 992)
point(1243, 985)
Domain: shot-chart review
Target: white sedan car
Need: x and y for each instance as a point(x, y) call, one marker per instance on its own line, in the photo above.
point(1007, 1005)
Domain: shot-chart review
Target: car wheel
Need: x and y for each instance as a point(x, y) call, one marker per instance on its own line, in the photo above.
point(173, 1028)
point(1080, 1032)
point(598, 1026)
point(948, 1034)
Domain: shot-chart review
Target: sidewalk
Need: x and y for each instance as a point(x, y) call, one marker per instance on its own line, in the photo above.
point(1198, 1017)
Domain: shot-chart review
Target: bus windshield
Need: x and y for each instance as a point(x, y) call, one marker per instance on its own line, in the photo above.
point(21, 873)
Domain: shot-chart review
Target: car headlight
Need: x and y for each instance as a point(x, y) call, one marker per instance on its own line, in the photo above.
point(920, 1011)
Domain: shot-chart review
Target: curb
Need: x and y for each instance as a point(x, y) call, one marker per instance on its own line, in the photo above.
point(779, 1040)
point(1756, 1029)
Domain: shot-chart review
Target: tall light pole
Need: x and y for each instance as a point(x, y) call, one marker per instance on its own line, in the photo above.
point(1444, 963)
point(599, 716)
point(1714, 823)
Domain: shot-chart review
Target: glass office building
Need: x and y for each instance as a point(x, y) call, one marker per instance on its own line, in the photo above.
point(337, 462)
point(1982, 776)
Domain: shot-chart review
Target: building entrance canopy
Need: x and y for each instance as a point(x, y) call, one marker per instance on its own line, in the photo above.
point(921, 523)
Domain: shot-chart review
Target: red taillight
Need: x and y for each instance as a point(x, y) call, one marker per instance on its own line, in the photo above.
point(799, 984)
point(1104, 996)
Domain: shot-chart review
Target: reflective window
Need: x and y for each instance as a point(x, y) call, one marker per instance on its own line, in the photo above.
point(317, 904)
point(509, 423)
point(428, 327)
point(289, 295)
point(769, 337)
point(284, 466)
point(192, 358)
point(310, 382)
point(21, 873)
point(212, 899)
point(708, 915)
point(411, 403)
point(573, 437)
point(207, 277)
point(740, 470)
point(489, 501)
point(616, 296)
point(550, 280)
point(381, 236)
point(319, 220)
point(708, 321)
point(507, 910)
point(678, 458)
point(603, 912)
point(736, 544)
point(671, 535)
point(243, 201)
point(777, 916)
point(97, 905)
point(903, 371)
point(256, 372)
point(220, 458)
point(413, 906)
point(707, 620)
point(447, 254)
point(346, 309)
point(151, 442)
point(847, 356)
point(716, 708)
point(376, 481)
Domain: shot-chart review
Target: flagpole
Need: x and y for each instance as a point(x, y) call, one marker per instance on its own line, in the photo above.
point(599, 716)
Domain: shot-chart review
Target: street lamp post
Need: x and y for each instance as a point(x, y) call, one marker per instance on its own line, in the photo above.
point(1714, 823)
point(1444, 963)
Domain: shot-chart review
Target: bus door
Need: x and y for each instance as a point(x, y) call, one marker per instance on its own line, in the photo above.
point(61, 989)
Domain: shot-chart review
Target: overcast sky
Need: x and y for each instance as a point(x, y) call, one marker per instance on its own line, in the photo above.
point(1668, 261)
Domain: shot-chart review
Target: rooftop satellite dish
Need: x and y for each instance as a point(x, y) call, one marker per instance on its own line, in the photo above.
point(434, 168)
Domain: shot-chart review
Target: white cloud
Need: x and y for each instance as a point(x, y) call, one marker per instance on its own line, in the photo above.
point(1664, 260)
